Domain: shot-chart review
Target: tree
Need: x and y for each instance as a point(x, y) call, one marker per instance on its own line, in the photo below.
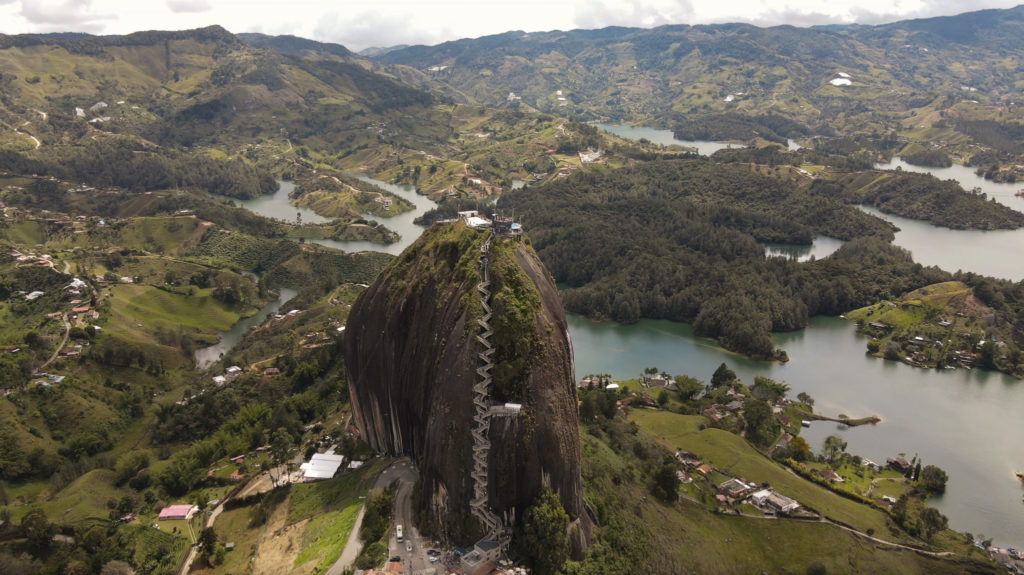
point(666, 482)
point(207, 539)
point(932, 521)
point(543, 536)
point(688, 387)
point(800, 449)
point(762, 427)
point(833, 446)
point(588, 409)
point(768, 389)
point(932, 479)
point(663, 397)
point(899, 509)
point(805, 398)
point(722, 376)
point(280, 449)
point(37, 529)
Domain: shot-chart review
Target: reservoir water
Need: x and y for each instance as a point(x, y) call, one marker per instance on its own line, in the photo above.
point(277, 205)
point(207, 356)
point(966, 422)
point(823, 246)
point(664, 137)
point(1002, 192)
point(996, 253)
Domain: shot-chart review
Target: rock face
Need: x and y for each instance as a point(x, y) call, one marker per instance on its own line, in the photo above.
point(412, 357)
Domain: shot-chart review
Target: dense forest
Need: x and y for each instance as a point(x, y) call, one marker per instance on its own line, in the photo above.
point(679, 240)
point(922, 197)
point(126, 163)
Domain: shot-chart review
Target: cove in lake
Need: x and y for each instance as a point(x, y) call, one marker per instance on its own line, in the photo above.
point(822, 247)
point(997, 253)
point(277, 205)
point(966, 422)
point(1002, 192)
point(664, 137)
point(207, 356)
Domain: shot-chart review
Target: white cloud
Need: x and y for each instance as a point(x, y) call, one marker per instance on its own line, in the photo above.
point(189, 5)
point(381, 29)
point(362, 23)
point(634, 13)
point(64, 15)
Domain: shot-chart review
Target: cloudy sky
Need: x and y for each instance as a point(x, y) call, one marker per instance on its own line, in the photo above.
point(360, 23)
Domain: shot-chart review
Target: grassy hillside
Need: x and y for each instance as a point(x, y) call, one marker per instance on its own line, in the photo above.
point(941, 325)
point(636, 529)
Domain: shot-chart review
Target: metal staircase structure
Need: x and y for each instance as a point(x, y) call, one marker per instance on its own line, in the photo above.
point(481, 402)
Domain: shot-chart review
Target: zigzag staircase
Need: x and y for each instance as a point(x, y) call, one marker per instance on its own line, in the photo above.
point(481, 402)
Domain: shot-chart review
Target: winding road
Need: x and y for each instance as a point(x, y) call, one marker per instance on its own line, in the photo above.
point(404, 472)
point(63, 342)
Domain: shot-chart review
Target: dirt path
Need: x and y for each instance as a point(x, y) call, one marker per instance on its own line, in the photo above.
point(30, 136)
point(63, 342)
point(279, 546)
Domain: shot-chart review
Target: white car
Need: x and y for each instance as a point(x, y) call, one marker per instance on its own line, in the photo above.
point(433, 559)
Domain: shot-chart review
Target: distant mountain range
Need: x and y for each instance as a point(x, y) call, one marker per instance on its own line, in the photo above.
point(951, 82)
point(832, 79)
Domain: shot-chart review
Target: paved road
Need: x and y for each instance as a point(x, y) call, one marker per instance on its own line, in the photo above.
point(405, 472)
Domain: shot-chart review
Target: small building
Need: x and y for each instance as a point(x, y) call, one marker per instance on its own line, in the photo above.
point(832, 476)
point(507, 410)
point(712, 413)
point(781, 504)
point(182, 511)
point(219, 380)
point(321, 466)
point(735, 488)
point(271, 371)
point(687, 458)
point(774, 501)
point(899, 464)
point(705, 469)
point(32, 296)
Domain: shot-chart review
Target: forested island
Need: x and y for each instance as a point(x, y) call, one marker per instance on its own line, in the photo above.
point(681, 240)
